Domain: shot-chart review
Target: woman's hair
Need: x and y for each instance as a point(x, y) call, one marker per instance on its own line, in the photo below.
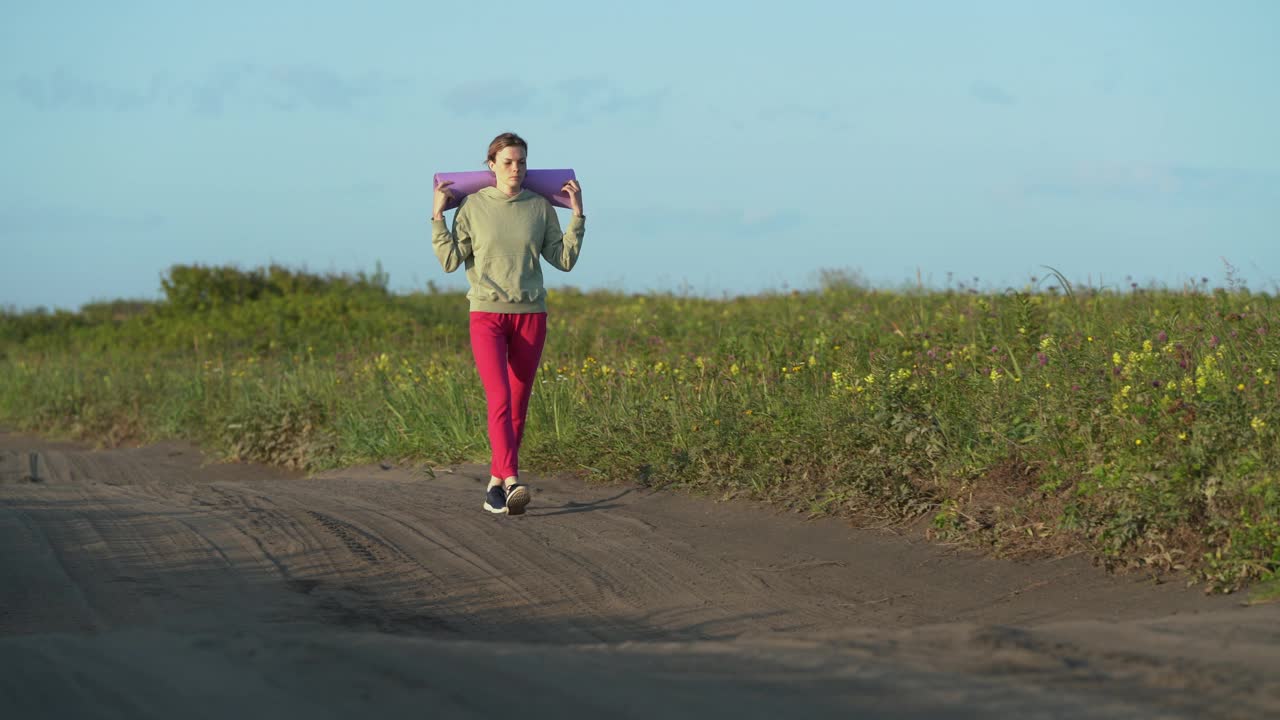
point(505, 140)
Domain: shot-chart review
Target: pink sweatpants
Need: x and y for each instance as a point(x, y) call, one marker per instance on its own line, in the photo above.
point(508, 348)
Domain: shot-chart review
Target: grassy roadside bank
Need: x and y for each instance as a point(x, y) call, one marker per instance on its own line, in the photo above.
point(1140, 425)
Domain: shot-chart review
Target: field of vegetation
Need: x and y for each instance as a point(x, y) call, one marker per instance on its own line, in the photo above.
point(1137, 425)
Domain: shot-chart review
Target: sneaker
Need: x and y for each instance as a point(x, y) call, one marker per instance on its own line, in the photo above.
point(517, 499)
point(495, 500)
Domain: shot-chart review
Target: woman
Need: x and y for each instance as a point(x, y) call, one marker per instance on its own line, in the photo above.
point(498, 234)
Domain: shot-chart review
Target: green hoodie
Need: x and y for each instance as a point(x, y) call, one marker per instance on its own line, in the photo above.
point(499, 238)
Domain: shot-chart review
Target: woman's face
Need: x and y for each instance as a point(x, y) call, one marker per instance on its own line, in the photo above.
point(508, 167)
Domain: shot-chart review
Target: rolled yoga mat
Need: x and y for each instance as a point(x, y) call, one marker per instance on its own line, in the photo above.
point(546, 183)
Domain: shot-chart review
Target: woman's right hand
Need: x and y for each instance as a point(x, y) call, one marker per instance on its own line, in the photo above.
point(442, 197)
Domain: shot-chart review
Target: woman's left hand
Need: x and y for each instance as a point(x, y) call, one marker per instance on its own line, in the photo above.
point(574, 191)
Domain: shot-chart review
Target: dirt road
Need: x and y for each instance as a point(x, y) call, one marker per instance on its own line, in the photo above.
point(147, 583)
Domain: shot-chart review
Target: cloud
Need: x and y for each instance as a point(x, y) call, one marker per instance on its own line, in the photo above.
point(990, 94)
point(492, 97)
point(576, 99)
point(818, 114)
point(618, 102)
point(1140, 181)
point(18, 220)
point(61, 89)
point(718, 223)
point(278, 87)
point(584, 89)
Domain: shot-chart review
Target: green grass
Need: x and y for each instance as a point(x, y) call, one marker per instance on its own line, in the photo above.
point(1138, 425)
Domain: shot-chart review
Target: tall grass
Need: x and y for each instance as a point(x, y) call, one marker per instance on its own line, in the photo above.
point(1139, 425)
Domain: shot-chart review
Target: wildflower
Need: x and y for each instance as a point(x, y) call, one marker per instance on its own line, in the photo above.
point(1138, 441)
point(812, 361)
point(1240, 387)
point(1115, 358)
point(995, 376)
point(835, 376)
point(734, 369)
point(1090, 338)
point(870, 379)
point(1182, 436)
point(1257, 424)
point(1046, 342)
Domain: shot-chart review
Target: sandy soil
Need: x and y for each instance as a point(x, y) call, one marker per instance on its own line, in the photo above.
point(148, 583)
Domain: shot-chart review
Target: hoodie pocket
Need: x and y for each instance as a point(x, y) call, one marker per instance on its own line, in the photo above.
point(508, 277)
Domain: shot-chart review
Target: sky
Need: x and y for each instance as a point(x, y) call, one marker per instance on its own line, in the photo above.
point(723, 148)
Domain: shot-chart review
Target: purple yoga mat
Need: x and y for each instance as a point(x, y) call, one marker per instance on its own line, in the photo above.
point(546, 183)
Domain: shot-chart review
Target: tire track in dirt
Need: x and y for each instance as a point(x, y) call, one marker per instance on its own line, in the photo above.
point(112, 540)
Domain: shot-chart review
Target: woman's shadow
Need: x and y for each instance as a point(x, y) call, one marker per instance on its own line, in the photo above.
point(577, 507)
